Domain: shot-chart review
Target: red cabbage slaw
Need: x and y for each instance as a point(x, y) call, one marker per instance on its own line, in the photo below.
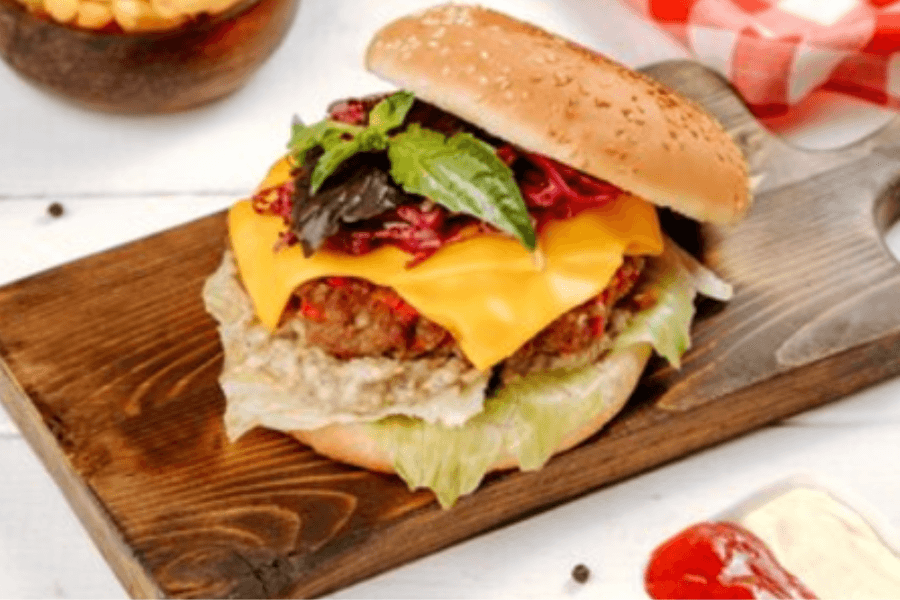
point(551, 190)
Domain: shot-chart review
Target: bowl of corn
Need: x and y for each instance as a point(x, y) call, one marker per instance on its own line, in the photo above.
point(141, 56)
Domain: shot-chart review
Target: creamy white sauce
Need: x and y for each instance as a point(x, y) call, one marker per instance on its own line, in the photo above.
point(277, 381)
point(829, 546)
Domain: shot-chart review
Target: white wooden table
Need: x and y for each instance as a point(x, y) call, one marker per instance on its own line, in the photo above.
point(121, 178)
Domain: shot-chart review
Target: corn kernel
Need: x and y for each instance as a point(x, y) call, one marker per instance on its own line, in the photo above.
point(130, 15)
point(93, 15)
point(137, 15)
point(62, 10)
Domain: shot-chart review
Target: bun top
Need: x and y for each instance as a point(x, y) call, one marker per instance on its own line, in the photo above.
point(549, 95)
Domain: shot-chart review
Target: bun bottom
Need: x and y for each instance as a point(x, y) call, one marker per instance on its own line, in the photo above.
point(352, 444)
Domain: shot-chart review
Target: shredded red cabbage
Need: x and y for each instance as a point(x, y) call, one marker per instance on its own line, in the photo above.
point(353, 112)
point(552, 191)
point(277, 201)
point(417, 229)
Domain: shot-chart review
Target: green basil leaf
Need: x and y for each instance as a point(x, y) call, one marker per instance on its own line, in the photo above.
point(340, 141)
point(330, 160)
point(463, 174)
point(306, 137)
point(390, 112)
point(336, 152)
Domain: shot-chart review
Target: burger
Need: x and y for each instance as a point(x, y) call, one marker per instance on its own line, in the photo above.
point(467, 272)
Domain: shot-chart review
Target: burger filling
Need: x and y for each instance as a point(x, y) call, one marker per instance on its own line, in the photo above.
point(312, 372)
point(349, 350)
point(351, 317)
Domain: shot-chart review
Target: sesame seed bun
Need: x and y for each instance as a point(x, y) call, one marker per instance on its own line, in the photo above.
point(549, 95)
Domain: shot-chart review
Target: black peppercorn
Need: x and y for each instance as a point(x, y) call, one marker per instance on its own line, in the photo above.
point(581, 573)
point(55, 209)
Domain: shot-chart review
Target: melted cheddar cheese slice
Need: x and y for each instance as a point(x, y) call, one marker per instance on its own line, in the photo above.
point(490, 292)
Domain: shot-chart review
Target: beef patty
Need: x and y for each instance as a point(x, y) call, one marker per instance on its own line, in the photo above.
point(350, 317)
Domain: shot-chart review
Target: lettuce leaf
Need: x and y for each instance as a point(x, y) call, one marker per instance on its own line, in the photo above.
point(524, 420)
point(673, 280)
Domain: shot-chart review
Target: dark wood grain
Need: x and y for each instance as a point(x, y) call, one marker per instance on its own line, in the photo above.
point(813, 275)
point(144, 73)
point(111, 365)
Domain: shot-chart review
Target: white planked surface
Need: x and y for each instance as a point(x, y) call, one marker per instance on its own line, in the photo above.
point(121, 178)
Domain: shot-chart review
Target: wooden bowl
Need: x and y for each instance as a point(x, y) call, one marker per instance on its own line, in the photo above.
point(146, 72)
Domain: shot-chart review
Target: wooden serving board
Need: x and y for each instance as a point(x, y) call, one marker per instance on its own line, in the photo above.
point(110, 366)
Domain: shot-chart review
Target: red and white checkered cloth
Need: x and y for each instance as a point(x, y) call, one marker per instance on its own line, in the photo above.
point(776, 52)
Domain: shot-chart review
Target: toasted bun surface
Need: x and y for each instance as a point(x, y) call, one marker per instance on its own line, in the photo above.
point(552, 96)
point(352, 444)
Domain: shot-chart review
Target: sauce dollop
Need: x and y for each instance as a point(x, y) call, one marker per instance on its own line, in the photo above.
point(719, 560)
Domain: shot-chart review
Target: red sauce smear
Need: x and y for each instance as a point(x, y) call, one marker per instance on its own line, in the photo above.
point(719, 560)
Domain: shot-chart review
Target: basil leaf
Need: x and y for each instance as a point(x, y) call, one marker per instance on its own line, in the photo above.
point(463, 174)
point(333, 136)
point(390, 112)
point(329, 162)
point(370, 140)
point(365, 191)
point(306, 137)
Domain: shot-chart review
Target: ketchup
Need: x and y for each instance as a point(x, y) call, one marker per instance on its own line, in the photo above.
point(719, 560)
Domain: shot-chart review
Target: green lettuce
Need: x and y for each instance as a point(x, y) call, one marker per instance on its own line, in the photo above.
point(527, 420)
point(524, 420)
point(673, 280)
